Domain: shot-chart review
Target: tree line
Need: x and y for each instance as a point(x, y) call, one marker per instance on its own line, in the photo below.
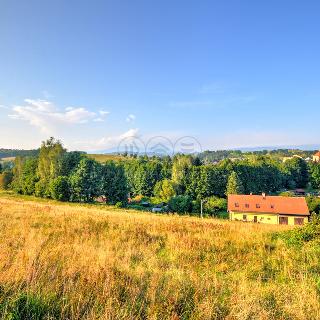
point(181, 181)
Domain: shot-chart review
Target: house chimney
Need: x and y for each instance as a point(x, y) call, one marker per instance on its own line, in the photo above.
point(263, 195)
point(250, 193)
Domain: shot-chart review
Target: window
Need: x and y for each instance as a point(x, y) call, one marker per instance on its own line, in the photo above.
point(283, 220)
point(257, 205)
point(236, 205)
point(244, 217)
point(298, 221)
point(255, 219)
point(247, 205)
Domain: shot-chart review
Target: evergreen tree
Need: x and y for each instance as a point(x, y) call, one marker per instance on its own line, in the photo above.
point(234, 185)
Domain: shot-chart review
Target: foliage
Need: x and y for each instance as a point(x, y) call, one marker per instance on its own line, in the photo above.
point(287, 194)
point(180, 204)
point(164, 190)
point(5, 179)
point(181, 167)
point(298, 236)
point(84, 181)
point(49, 164)
point(313, 204)
point(113, 182)
point(234, 185)
point(297, 171)
point(213, 205)
point(315, 175)
point(60, 188)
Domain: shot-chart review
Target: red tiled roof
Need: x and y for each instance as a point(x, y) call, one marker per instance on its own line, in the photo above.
point(317, 154)
point(268, 204)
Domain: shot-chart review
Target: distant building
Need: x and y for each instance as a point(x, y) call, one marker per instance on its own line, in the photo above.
point(316, 157)
point(268, 209)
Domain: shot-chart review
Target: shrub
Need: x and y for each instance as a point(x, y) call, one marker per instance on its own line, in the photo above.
point(5, 179)
point(60, 189)
point(180, 204)
point(119, 204)
point(213, 205)
point(298, 236)
point(313, 204)
point(287, 194)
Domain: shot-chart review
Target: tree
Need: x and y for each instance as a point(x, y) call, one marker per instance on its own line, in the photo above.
point(84, 180)
point(297, 172)
point(213, 205)
point(234, 185)
point(181, 168)
point(180, 204)
point(164, 190)
point(49, 165)
point(113, 183)
point(60, 188)
point(5, 179)
point(315, 175)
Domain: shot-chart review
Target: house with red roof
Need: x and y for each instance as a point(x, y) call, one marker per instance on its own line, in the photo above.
point(268, 209)
point(316, 157)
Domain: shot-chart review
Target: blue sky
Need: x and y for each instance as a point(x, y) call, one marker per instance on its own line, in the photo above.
point(229, 73)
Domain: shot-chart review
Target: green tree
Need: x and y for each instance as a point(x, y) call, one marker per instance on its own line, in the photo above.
point(181, 168)
point(180, 204)
point(164, 190)
point(315, 175)
point(213, 205)
point(60, 188)
point(49, 165)
point(85, 180)
point(5, 179)
point(297, 172)
point(114, 183)
point(234, 185)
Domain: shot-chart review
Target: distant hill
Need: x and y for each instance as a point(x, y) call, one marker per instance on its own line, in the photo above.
point(12, 153)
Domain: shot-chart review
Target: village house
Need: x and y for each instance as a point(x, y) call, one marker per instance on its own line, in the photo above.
point(268, 209)
point(316, 157)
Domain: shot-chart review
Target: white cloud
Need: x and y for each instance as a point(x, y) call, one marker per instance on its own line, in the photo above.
point(107, 142)
point(45, 115)
point(130, 118)
point(103, 112)
point(3, 107)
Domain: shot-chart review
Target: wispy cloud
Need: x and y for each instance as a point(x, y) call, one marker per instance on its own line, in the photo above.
point(106, 142)
point(46, 116)
point(130, 118)
point(4, 107)
point(212, 88)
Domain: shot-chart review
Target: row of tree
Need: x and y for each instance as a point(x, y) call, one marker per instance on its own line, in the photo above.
point(72, 176)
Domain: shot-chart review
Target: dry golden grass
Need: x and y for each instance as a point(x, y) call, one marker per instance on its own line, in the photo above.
point(71, 261)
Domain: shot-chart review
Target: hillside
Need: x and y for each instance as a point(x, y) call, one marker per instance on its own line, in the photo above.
point(73, 261)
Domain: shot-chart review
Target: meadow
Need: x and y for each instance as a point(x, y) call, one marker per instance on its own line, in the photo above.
point(71, 261)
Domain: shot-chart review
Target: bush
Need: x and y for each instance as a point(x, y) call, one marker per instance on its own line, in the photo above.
point(213, 205)
point(60, 189)
point(298, 236)
point(119, 204)
point(287, 194)
point(5, 179)
point(313, 204)
point(180, 204)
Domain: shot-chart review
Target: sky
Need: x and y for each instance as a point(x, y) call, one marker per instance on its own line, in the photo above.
point(228, 73)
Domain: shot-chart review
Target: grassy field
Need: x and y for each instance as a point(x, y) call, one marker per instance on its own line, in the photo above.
point(67, 261)
point(106, 157)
